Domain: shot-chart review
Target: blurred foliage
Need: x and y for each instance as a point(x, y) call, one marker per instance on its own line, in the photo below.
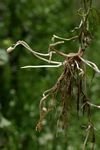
point(35, 21)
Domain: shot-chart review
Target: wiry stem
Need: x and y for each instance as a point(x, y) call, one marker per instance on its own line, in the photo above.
point(80, 69)
point(60, 38)
point(87, 135)
point(72, 63)
point(91, 64)
point(96, 106)
point(88, 132)
point(42, 66)
point(36, 54)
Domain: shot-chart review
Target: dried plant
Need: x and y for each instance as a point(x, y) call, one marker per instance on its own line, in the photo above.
point(72, 76)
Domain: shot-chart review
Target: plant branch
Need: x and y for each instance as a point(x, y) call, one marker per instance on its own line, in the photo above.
point(36, 54)
point(91, 64)
point(42, 66)
point(60, 38)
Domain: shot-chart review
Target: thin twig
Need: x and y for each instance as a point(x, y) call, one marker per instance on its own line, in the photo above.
point(58, 52)
point(97, 106)
point(69, 39)
point(47, 91)
point(36, 54)
point(91, 104)
point(91, 64)
point(23, 43)
point(80, 69)
point(87, 135)
point(42, 101)
point(42, 66)
point(57, 43)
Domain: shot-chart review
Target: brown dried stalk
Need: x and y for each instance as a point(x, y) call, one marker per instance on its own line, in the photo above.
point(73, 69)
point(73, 76)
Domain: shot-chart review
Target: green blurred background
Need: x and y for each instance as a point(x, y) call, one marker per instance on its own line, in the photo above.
point(35, 21)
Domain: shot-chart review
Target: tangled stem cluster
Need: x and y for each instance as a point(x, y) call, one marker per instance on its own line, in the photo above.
point(72, 76)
